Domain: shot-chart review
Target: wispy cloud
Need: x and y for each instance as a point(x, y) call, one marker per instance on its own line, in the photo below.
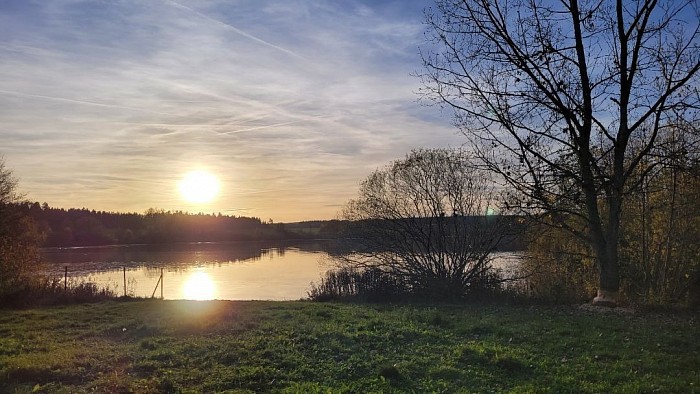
point(291, 103)
point(83, 102)
point(233, 28)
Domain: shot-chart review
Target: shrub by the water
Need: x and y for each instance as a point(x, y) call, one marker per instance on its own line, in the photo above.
point(44, 291)
point(368, 285)
point(558, 269)
point(376, 285)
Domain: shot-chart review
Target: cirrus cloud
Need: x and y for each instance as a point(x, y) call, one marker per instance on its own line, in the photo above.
point(106, 105)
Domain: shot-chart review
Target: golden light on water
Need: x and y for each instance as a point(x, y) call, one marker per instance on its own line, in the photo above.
point(199, 187)
point(199, 286)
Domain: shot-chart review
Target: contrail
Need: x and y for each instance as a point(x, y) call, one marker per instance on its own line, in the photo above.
point(84, 102)
point(304, 119)
point(261, 127)
point(235, 29)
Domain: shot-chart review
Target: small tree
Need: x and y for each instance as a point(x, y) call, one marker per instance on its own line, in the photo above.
point(659, 252)
point(423, 220)
point(19, 237)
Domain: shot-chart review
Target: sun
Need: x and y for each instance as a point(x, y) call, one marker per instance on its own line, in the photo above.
point(199, 187)
point(199, 286)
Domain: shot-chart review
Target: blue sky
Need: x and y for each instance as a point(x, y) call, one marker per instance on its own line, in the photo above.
point(106, 104)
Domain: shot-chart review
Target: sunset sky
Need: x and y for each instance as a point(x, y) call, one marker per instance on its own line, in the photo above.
point(290, 104)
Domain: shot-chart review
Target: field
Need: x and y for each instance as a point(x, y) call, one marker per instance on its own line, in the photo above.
point(152, 346)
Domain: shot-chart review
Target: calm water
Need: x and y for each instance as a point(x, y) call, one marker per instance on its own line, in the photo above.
point(201, 271)
point(231, 271)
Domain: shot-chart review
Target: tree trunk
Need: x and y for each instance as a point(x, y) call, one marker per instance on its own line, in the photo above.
point(604, 239)
point(608, 256)
point(608, 272)
point(608, 277)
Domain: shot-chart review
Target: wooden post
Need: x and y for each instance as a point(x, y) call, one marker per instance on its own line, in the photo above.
point(65, 280)
point(159, 283)
point(124, 281)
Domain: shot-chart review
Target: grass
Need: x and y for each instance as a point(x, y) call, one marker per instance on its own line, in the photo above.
point(151, 346)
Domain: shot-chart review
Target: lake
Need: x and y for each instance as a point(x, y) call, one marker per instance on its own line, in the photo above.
point(203, 271)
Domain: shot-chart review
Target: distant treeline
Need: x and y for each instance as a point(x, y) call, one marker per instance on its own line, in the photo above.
point(511, 230)
point(84, 227)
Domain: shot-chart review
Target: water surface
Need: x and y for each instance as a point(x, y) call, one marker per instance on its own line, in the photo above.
point(203, 271)
point(230, 271)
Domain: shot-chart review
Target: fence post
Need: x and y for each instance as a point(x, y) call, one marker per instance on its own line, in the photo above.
point(124, 281)
point(159, 283)
point(65, 280)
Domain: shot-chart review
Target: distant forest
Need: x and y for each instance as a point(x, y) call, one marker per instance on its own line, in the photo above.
point(59, 227)
point(84, 227)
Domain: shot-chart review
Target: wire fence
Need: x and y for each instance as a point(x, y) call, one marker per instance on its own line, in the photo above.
point(125, 293)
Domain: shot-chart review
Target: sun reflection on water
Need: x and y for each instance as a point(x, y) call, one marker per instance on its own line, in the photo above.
point(199, 286)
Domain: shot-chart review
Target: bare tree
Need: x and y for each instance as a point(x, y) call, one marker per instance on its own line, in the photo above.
point(550, 94)
point(423, 220)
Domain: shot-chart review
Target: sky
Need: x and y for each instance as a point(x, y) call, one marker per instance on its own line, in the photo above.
point(106, 105)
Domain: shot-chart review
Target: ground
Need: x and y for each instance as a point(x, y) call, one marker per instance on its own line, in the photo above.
point(152, 346)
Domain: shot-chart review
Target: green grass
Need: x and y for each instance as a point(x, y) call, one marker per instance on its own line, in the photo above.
point(244, 347)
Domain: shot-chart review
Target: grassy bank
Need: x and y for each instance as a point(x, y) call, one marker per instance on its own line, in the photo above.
point(179, 346)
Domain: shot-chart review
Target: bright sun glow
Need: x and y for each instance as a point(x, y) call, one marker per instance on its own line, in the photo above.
point(199, 286)
point(199, 187)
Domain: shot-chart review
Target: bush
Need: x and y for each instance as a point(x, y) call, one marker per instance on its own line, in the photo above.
point(557, 268)
point(375, 285)
point(660, 253)
point(44, 291)
point(370, 285)
point(19, 237)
